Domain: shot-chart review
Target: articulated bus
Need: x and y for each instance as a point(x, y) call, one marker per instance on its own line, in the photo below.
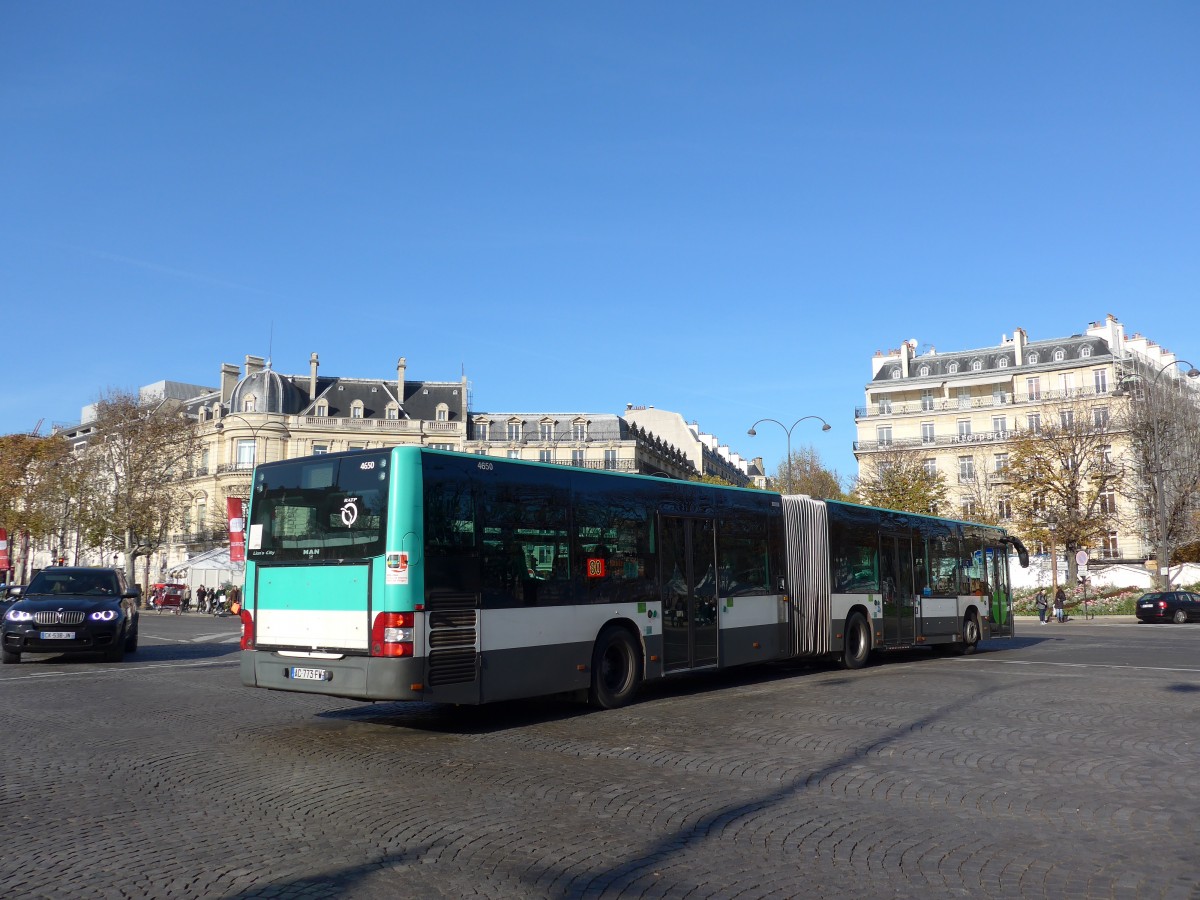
point(428, 575)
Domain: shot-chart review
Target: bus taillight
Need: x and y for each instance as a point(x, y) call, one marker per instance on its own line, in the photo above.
point(392, 634)
point(247, 629)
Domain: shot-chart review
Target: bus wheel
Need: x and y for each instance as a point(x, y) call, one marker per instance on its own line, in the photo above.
point(857, 647)
point(970, 635)
point(616, 669)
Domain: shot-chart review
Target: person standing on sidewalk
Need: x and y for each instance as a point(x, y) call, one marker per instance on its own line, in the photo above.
point(1042, 605)
point(1060, 605)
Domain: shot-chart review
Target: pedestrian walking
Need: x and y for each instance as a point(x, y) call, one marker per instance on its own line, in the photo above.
point(1042, 605)
point(1060, 605)
point(201, 593)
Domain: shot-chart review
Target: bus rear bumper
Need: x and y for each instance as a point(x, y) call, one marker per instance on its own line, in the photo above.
point(356, 677)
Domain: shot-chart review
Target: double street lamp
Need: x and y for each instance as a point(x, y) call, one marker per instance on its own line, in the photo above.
point(825, 426)
point(254, 430)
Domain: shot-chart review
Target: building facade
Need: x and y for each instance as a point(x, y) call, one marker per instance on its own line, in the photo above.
point(257, 414)
point(961, 411)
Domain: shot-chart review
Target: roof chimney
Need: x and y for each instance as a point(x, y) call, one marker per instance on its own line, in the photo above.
point(254, 364)
point(312, 378)
point(401, 366)
point(1019, 346)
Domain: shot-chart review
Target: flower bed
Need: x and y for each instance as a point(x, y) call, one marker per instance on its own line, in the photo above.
point(1103, 602)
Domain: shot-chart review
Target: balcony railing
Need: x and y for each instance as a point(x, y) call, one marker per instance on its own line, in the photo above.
point(408, 426)
point(951, 404)
point(237, 468)
point(949, 440)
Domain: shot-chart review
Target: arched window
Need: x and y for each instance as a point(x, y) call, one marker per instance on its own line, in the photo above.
point(1085, 351)
point(977, 365)
point(249, 403)
point(322, 409)
point(1059, 355)
point(1002, 362)
point(443, 412)
point(924, 371)
point(895, 373)
point(1033, 358)
point(392, 411)
point(952, 368)
point(356, 409)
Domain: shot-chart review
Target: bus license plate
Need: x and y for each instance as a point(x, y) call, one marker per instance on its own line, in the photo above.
point(303, 674)
point(57, 635)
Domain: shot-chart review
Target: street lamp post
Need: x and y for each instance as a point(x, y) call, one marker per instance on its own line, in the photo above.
point(1160, 475)
point(254, 430)
point(825, 426)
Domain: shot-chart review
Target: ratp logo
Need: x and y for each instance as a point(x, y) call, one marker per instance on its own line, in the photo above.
point(349, 512)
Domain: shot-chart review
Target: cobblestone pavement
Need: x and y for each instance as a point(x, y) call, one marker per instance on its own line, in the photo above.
point(1063, 763)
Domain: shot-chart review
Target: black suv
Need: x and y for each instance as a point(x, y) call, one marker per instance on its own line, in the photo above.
point(73, 610)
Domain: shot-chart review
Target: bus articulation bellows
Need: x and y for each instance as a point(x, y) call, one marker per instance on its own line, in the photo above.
point(427, 575)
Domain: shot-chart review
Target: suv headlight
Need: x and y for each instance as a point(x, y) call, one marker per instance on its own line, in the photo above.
point(103, 615)
point(18, 615)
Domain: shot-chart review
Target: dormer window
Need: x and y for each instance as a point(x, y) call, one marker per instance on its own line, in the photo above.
point(952, 368)
point(1059, 355)
point(514, 431)
point(546, 431)
point(322, 409)
point(924, 371)
point(392, 411)
point(249, 403)
point(579, 431)
point(1002, 362)
point(1033, 358)
point(1085, 351)
point(481, 431)
point(443, 412)
point(977, 366)
point(895, 373)
point(356, 409)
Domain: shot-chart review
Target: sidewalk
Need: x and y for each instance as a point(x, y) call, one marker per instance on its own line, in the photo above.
point(1098, 620)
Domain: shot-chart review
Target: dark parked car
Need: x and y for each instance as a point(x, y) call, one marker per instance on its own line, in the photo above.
point(73, 610)
point(1168, 606)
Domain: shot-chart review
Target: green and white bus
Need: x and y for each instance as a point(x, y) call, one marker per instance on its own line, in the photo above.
point(427, 575)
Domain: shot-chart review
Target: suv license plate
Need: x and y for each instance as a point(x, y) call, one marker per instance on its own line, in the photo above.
point(312, 674)
point(57, 635)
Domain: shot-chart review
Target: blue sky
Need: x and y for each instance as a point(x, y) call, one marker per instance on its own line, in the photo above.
point(719, 209)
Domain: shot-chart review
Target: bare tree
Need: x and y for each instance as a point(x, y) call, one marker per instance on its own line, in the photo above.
point(980, 496)
point(1162, 422)
point(809, 476)
point(1062, 478)
point(138, 453)
point(897, 479)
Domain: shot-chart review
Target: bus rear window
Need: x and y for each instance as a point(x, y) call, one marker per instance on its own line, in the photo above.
point(332, 507)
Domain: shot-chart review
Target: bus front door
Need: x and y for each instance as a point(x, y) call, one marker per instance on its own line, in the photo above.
point(689, 593)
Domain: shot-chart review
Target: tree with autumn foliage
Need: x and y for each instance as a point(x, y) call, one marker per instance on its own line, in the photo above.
point(896, 479)
point(1063, 475)
point(29, 511)
point(809, 475)
point(137, 453)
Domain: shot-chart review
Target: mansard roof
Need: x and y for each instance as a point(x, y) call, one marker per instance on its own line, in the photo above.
point(962, 362)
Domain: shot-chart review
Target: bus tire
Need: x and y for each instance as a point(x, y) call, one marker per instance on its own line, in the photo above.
point(971, 634)
point(616, 669)
point(856, 648)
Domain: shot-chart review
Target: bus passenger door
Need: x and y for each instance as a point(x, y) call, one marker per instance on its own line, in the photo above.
point(1001, 599)
point(689, 593)
point(896, 586)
